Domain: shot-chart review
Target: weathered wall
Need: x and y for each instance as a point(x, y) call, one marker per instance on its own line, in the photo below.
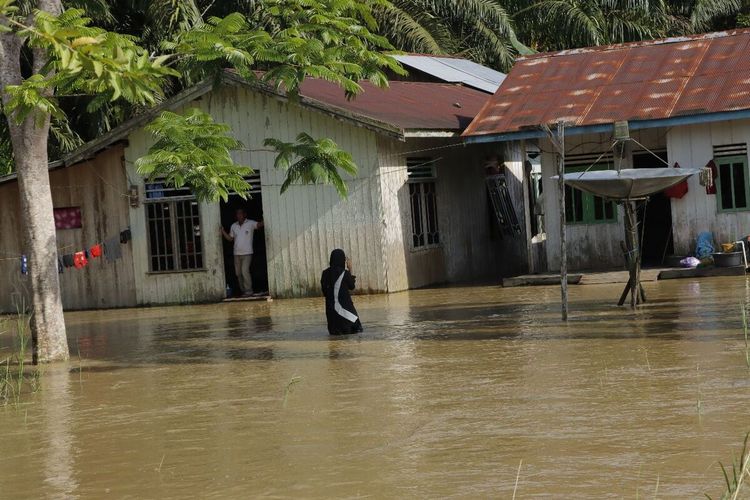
point(99, 188)
point(470, 247)
point(302, 226)
point(692, 146)
point(589, 246)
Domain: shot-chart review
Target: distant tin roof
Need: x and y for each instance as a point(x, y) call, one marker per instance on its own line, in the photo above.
point(404, 105)
point(673, 79)
point(455, 70)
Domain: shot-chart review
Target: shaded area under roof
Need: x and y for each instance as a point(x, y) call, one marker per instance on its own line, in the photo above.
point(455, 70)
point(663, 79)
point(405, 105)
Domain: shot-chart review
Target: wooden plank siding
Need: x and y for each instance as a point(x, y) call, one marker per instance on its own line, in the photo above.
point(590, 246)
point(302, 226)
point(470, 247)
point(99, 187)
point(692, 147)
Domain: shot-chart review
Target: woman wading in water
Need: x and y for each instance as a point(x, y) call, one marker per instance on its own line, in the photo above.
point(337, 281)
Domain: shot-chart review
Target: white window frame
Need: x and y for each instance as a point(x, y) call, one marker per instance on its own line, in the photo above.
point(171, 197)
point(422, 183)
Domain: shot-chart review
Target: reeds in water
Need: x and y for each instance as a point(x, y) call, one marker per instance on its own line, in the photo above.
point(14, 376)
point(739, 473)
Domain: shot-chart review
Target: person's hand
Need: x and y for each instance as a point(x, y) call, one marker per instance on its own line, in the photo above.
point(221, 229)
point(348, 264)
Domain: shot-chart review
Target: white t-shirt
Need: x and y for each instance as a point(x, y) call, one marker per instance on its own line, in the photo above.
point(243, 237)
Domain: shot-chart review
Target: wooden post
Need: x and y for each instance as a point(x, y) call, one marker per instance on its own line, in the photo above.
point(563, 229)
point(558, 142)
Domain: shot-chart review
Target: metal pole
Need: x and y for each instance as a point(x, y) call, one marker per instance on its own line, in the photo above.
point(563, 229)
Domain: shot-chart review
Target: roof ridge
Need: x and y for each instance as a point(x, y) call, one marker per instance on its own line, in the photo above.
point(641, 43)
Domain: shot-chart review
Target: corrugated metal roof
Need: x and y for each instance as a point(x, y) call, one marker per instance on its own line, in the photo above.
point(654, 80)
point(455, 70)
point(405, 105)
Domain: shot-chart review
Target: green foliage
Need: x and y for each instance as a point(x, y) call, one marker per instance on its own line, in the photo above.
point(481, 30)
point(310, 161)
point(82, 59)
point(318, 38)
point(194, 151)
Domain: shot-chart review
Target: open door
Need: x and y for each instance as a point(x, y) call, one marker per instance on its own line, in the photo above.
point(657, 233)
point(253, 207)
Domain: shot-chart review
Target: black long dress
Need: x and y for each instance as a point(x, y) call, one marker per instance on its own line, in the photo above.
point(336, 282)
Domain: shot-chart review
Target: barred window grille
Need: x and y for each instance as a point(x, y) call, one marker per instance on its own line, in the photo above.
point(733, 181)
point(423, 202)
point(174, 229)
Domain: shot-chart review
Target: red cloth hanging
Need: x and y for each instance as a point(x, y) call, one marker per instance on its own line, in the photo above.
point(95, 251)
point(711, 189)
point(678, 190)
point(80, 260)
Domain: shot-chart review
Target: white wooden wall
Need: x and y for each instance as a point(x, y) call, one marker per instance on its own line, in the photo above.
point(372, 225)
point(692, 146)
point(302, 226)
point(589, 246)
point(470, 248)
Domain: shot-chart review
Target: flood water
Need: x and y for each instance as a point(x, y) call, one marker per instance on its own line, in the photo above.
point(443, 395)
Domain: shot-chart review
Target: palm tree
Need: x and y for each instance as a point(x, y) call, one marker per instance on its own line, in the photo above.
point(481, 30)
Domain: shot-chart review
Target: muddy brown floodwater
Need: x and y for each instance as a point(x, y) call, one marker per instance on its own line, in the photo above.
point(444, 394)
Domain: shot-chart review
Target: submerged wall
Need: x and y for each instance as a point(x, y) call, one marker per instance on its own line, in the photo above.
point(302, 226)
point(470, 248)
point(692, 146)
point(98, 187)
point(589, 246)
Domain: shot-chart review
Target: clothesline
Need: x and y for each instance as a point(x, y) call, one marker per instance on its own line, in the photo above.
point(109, 249)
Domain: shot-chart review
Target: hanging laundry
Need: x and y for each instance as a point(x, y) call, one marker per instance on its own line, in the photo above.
point(678, 190)
point(86, 254)
point(95, 251)
point(68, 260)
point(711, 188)
point(126, 236)
point(59, 265)
point(112, 248)
point(80, 260)
point(24, 265)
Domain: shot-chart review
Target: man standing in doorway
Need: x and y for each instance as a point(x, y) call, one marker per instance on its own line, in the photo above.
point(241, 233)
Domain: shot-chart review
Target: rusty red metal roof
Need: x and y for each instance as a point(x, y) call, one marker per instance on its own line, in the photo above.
point(406, 105)
point(653, 80)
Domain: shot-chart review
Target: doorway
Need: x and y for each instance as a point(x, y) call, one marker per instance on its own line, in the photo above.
point(253, 207)
point(657, 232)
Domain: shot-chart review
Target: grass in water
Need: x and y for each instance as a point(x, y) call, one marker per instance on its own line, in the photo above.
point(744, 331)
point(14, 376)
point(290, 387)
point(740, 470)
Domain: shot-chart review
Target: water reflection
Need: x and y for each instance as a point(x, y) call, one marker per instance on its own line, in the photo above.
point(59, 456)
point(441, 396)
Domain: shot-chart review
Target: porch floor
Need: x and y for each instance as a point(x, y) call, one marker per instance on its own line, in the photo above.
point(621, 276)
point(266, 298)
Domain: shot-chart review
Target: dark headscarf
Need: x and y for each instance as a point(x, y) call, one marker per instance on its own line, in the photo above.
point(338, 259)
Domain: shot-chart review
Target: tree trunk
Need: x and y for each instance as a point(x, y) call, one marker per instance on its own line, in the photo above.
point(40, 241)
point(29, 139)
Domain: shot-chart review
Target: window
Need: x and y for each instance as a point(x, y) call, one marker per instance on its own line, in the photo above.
point(174, 230)
point(732, 182)
point(423, 201)
point(585, 208)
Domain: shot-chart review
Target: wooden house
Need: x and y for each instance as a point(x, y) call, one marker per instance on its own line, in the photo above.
point(418, 211)
point(682, 102)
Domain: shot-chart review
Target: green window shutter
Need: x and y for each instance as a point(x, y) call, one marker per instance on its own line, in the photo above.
point(585, 208)
point(732, 184)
